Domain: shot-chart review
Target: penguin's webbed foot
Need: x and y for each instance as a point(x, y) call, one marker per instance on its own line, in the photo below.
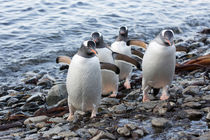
point(70, 117)
point(145, 99)
point(94, 111)
point(113, 95)
point(164, 97)
point(127, 84)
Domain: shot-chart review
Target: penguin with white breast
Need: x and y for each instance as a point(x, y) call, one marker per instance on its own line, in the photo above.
point(158, 64)
point(122, 46)
point(83, 82)
point(109, 79)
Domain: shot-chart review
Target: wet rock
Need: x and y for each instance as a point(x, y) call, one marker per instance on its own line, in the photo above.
point(32, 106)
point(32, 80)
point(83, 133)
point(118, 109)
point(208, 117)
point(56, 93)
point(41, 125)
point(36, 119)
point(52, 131)
point(35, 97)
point(67, 134)
point(138, 133)
point(133, 95)
point(205, 136)
point(93, 131)
point(205, 31)
point(160, 122)
point(206, 97)
point(5, 98)
point(12, 101)
point(192, 105)
point(110, 101)
point(63, 102)
point(193, 114)
point(131, 126)
point(57, 120)
point(147, 105)
point(206, 109)
point(104, 135)
point(46, 81)
point(32, 137)
point(124, 131)
point(191, 90)
point(162, 108)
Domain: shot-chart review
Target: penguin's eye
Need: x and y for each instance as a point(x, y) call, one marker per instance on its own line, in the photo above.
point(168, 34)
point(96, 35)
point(91, 44)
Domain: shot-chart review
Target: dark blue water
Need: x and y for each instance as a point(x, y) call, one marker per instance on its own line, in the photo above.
point(34, 32)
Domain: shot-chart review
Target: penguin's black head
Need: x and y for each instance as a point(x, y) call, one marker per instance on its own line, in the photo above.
point(97, 37)
point(167, 37)
point(123, 31)
point(87, 49)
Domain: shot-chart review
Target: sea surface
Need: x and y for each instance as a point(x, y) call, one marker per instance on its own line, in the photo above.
point(34, 32)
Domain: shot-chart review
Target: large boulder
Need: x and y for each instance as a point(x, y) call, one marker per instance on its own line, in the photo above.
point(56, 93)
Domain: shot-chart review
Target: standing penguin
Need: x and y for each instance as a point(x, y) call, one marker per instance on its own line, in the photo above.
point(109, 79)
point(122, 45)
point(159, 64)
point(84, 81)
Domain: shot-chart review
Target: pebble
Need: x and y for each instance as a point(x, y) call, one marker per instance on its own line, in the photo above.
point(36, 119)
point(56, 93)
point(12, 101)
point(110, 101)
point(191, 90)
point(206, 97)
point(208, 117)
point(83, 133)
point(133, 95)
point(57, 120)
point(35, 97)
point(93, 131)
point(104, 135)
point(67, 134)
point(31, 106)
point(118, 109)
point(160, 122)
point(138, 132)
point(124, 131)
point(41, 125)
point(195, 105)
point(193, 114)
point(131, 126)
point(52, 131)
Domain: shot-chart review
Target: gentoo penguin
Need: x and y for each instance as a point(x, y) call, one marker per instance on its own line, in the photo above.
point(122, 45)
point(158, 64)
point(83, 82)
point(109, 79)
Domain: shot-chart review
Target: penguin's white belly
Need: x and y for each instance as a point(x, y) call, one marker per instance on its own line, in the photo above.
point(109, 78)
point(125, 68)
point(158, 65)
point(84, 83)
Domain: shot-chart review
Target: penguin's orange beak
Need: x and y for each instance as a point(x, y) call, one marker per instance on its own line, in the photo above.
point(169, 42)
point(94, 51)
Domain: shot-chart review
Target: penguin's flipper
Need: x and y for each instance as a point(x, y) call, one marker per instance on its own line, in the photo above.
point(137, 53)
point(137, 43)
point(122, 57)
point(182, 49)
point(63, 59)
point(109, 66)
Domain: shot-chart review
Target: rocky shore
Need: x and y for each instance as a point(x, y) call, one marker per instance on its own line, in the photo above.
point(37, 107)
